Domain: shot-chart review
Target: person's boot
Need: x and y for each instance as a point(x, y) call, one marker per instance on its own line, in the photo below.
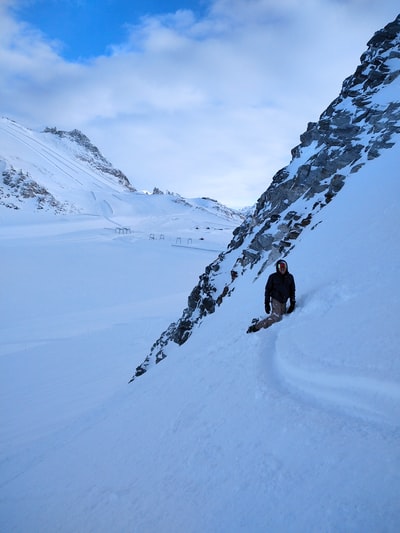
point(253, 326)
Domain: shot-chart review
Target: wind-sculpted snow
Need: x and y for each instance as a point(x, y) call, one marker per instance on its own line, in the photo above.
point(334, 383)
point(355, 129)
point(359, 396)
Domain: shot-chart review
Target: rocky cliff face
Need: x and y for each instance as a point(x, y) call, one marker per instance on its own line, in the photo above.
point(18, 187)
point(355, 128)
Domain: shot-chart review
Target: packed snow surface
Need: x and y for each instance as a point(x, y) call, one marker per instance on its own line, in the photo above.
point(292, 429)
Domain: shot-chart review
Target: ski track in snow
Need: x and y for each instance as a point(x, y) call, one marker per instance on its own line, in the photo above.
point(55, 158)
point(363, 397)
point(285, 368)
point(52, 157)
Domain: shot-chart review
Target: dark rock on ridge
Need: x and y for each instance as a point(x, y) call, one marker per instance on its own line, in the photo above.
point(24, 187)
point(92, 155)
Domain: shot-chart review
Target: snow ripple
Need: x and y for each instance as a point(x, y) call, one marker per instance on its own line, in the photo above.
point(362, 396)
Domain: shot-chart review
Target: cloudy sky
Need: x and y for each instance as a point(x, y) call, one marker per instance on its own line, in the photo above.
point(202, 98)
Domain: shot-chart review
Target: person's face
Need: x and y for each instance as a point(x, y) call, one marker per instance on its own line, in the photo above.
point(282, 268)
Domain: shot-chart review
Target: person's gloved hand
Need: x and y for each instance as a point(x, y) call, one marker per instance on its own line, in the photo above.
point(291, 307)
point(267, 308)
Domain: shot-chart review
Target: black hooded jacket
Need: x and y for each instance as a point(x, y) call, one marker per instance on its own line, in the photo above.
point(280, 287)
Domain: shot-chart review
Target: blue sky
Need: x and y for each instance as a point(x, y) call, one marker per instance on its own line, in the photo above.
point(199, 98)
point(86, 28)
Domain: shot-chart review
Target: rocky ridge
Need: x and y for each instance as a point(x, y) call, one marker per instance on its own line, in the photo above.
point(41, 169)
point(92, 155)
point(355, 128)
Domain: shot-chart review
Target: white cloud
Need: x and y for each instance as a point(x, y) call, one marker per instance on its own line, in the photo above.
point(207, 106)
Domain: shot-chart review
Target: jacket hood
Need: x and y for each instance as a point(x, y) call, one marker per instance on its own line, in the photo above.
point(281, 261)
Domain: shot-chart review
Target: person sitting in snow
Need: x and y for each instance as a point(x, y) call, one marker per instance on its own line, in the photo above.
point(279, 289)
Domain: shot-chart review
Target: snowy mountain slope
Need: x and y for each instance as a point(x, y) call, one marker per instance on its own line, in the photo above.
point(63, 172)
point(293, 429)
point(84, 184)
point(64, 165)
point(356, 128)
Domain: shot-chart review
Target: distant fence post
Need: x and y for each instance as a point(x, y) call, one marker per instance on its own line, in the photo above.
point(123, 230)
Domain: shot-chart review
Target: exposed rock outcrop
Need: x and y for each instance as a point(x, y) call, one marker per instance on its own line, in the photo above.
point(20, 186)
point(92, 155)
point(360, 123)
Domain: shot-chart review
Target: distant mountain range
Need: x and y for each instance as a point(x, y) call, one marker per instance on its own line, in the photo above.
point(63, 172)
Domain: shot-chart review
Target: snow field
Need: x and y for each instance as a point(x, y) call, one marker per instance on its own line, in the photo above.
point(291, 429)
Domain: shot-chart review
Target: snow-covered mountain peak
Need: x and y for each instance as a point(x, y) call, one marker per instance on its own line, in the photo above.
point(83, 149)
point(54, 170)
point(63, 172)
